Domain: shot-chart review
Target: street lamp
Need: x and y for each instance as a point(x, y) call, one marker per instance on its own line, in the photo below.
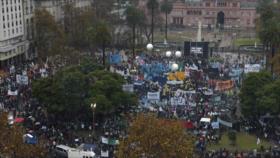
point(174, 67)
point(168, 54)
point(150, 47)
point(93, 106)
point(178, 54)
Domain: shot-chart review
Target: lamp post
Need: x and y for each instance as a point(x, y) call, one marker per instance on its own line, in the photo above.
point(149, 46)
point(178, 54)
point(93, 106)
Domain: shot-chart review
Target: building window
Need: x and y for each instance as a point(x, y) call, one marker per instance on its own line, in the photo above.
point(222, 4)
point(234, 4)
point(194, 12)
point(207, 4)
point(178, 20)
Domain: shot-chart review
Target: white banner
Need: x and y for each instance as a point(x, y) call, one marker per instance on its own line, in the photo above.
point(178, 101)
point(174, 82)
point(196, 50)
point(153, 95)
point(252, 68)
point(12, 93)
point(104, 153)
point(225, 123)
point(128, 88)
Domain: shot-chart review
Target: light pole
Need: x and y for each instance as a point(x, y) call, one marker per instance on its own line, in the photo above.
point(93, 106)
point(149, 46)
point(178, 54)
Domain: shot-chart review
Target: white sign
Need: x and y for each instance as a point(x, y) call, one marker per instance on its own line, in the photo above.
point(215, 125)
point(104, 140)
point(12, 69)
point(153, 95)
point(178, 101)
point(196, 50)
point(174, 82)
point(12, 93)
point(128, 88)
point(22, 79)
point(104, 153)
point(252, 68)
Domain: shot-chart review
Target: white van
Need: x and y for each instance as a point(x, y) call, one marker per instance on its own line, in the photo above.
point(63, 151)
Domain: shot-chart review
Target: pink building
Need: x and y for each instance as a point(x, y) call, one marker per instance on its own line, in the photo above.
point(227, 13)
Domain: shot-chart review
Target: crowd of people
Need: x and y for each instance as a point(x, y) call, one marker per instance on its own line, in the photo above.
point(200, 92)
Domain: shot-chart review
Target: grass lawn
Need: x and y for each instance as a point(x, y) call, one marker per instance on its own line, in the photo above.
point(244, 142)
point(246, 41)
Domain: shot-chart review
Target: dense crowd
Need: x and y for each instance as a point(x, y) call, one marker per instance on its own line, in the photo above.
point(200, 93)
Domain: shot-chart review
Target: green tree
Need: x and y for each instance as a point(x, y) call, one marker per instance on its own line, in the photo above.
point(268, 100)
point(248, 94)
point(166, 8)
point(49, 39)
point(77, 22)
point(151, 137)
point(102, 37)
point(153, 6)
point(134, 18)
point(71, 91)
point(268, 26)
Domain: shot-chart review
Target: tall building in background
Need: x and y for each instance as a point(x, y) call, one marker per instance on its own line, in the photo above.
point(17, 28)
point(13, 45)
point(55, 7)
point(29, 26)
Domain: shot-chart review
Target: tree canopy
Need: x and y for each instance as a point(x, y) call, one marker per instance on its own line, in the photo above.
point(251, 89)
point(49, 36)
point(12, 144)
point(151, 137)
point(71, 91)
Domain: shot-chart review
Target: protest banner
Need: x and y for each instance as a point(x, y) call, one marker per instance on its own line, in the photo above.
point(225, 123)
point(252, 68)
point(224, 85)
point(153, 95)
point(128, 88)
point(12, 93)
point(215, 125)
point(176, 76)
point(174, 82)
point(174, 101)
point(22, 79)
point(104, 153)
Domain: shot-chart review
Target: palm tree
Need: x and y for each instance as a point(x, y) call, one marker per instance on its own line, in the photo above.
point(134, 17)
point(153, 6)
point(166, 7)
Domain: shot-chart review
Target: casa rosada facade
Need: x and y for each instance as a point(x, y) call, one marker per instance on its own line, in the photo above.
point(226, 13)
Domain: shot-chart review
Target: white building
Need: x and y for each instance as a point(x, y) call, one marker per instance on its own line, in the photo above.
point(17, 26)
point(12, 43)
point(29, 30)
point(55, 7)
